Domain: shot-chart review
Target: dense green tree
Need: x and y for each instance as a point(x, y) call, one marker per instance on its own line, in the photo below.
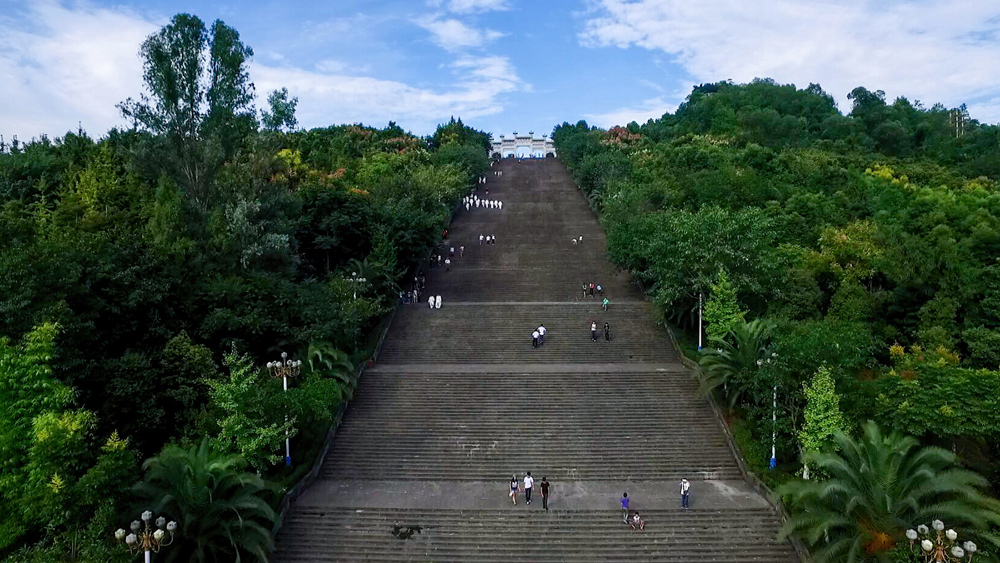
point(252, 413)
point(281, 116)
point(853, 232)
point(822, 416)
point(159, 249)
point(722, 311)
point(199, 97)
point(220, 510)
point(729, 362)
point(879, 486)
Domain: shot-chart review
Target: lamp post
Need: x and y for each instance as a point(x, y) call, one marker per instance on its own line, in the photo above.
point(699, 322)
point(145, 538)
point(774, 426)
point(355, 280)
point(774, 413)
point(284, 369)
point(940, 545)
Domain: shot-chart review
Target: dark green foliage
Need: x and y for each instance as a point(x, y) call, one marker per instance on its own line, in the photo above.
point(722, 311)
point(733, 360)
point(220, 510)
point(282, 114)
point(853, 233)
point(159, 250)
point(942, 400)
point(878, 487)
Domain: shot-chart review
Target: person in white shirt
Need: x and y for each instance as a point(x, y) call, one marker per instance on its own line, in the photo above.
point(528, 483)
point(500, 205)
point(685, 492)
point(430, 301)
point(437, 302)
point(534, 339)
point(481, 237)
point(493, 239)
point(541, 334)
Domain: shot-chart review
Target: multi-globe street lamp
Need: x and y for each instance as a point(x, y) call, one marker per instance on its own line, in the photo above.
point(145, 538)
point(355, 280)
point(940, 545)
point(283, 370)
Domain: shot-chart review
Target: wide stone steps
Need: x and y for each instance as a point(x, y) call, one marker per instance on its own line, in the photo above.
point(531, 535)
point(491, 333)
point(560, 283)
point(458, 400)
point(488, 425)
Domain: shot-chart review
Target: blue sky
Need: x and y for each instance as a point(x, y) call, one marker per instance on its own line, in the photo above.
point(503, 65)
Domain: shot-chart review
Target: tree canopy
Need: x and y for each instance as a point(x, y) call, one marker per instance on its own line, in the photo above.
point(151, 273)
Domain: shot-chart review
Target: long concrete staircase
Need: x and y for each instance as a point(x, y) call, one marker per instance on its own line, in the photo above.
point(459, 401)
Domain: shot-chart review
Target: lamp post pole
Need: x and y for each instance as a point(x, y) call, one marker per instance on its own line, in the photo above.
point(284, 369)
point(699, 322)
point(146, 539)
point(355, 280)
point(774, 425)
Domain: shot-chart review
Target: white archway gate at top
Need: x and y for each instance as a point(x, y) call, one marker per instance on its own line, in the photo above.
point(523, 146)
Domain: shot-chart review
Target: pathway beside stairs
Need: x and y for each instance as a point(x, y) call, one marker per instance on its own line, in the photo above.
point(459, 401)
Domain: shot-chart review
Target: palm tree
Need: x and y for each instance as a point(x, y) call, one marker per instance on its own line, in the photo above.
point(328, 361)
point(879, 486)
point(219, 510)
point(728, 361)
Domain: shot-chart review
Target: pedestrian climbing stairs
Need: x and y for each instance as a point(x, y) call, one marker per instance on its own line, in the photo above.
point(459, 400)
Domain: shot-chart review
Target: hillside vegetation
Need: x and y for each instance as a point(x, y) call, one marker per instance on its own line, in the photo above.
point(850, 266)
point(147, 277)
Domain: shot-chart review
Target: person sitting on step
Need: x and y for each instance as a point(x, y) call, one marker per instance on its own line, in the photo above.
point(637, 521)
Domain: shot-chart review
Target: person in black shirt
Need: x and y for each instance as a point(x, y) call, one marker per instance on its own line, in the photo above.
point(607, 332)
point(545, 493)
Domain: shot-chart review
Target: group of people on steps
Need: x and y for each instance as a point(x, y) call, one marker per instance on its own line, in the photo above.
point(633, 519)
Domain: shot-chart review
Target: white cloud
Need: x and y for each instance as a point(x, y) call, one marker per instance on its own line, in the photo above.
point(986, 112)
point(328, 98)
point(68, 66)
point(934, 50)
point(74, 62)
point(454, 35)
point(336, 66)
point(640, 113)
point(469, 6)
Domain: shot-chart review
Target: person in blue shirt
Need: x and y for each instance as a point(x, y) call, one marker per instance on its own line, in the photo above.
point(625, 507)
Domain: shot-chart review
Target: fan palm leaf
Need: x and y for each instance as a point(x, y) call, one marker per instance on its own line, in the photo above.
point(728, 360)
point(328, 361)
point(879, 486)
point(220, 513)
